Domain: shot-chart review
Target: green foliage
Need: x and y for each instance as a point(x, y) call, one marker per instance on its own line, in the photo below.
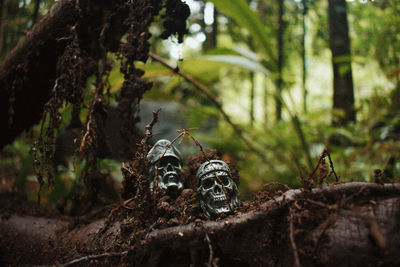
point(376, 28)
point(247, 18)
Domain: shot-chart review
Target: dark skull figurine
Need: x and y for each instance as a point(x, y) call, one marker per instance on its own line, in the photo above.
point(165, 166)
point(214, 179)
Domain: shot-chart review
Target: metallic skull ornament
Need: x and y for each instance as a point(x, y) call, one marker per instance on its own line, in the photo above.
point(165, 166)
point(217, 191)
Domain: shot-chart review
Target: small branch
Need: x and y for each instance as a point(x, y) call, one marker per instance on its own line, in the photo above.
point(148, 133)
point(323, 154)
point(323, 205)
point(216, 102)
point(322, 157)
point(92, 257)
point(376, 232)
point(331, 164)
point(293, 242)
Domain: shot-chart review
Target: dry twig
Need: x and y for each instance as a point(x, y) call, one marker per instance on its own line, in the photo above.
point(321, 158)
point(92, 257)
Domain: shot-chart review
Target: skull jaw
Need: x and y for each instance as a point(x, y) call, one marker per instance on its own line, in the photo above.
point(172, 187)
point(169, 182)
point(213, 206)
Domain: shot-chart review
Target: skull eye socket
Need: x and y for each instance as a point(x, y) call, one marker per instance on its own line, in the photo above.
point(173, 161)
point(207, 183)
point(224, 180)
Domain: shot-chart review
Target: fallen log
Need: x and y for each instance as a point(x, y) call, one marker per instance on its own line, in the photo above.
point(353, 224)
point(29, 71)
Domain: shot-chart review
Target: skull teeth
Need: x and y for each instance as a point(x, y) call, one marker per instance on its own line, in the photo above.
point(219, 198)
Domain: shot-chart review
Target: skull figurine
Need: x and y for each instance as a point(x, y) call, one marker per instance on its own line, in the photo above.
point(217, 191)
point(165, 166)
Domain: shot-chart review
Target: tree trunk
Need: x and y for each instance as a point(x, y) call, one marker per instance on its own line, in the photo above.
point(35, 15)
point(304, 55)
point(261, 14)
point(211, 37)
point(353, 224)
point(343, 92)
point(265, 102)
point(3, 18)
point(279, 82)
point(252, 92)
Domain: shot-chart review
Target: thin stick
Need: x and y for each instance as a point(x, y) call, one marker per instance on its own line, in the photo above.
point(331, 164)
point(293, 242)
point(92, 257)
point(216, 102)
point(148, 133)
point(323, 155)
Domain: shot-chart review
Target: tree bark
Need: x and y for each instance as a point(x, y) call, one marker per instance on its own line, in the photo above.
point(354, 224)
point(343, 92)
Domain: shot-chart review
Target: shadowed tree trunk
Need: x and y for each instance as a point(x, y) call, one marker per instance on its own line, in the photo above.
point(303, 54)
point(343, 92)
point(279, 82)
point(261, 13)
point(211, 36)
point(35, 14)
point(252, 93)
point(3, 17)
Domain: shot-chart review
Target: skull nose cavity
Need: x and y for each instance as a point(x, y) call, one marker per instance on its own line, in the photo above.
point(217, 188)
point(172, 179)
point(169, 167)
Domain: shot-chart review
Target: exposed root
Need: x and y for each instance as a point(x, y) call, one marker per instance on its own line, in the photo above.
point(376, 232)
point(210, 248)
point(293, 242)
point(93, 257)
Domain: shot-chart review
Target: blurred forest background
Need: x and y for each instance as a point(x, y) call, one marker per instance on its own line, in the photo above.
point(285, 80)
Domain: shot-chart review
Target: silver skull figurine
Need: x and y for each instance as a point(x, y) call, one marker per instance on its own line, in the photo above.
point(217, 191)
point(165, 166)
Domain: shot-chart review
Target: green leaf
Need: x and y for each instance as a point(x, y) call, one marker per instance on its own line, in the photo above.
point(239, 11)
point(239, 61)
point(246, 53)
point(204, 69)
